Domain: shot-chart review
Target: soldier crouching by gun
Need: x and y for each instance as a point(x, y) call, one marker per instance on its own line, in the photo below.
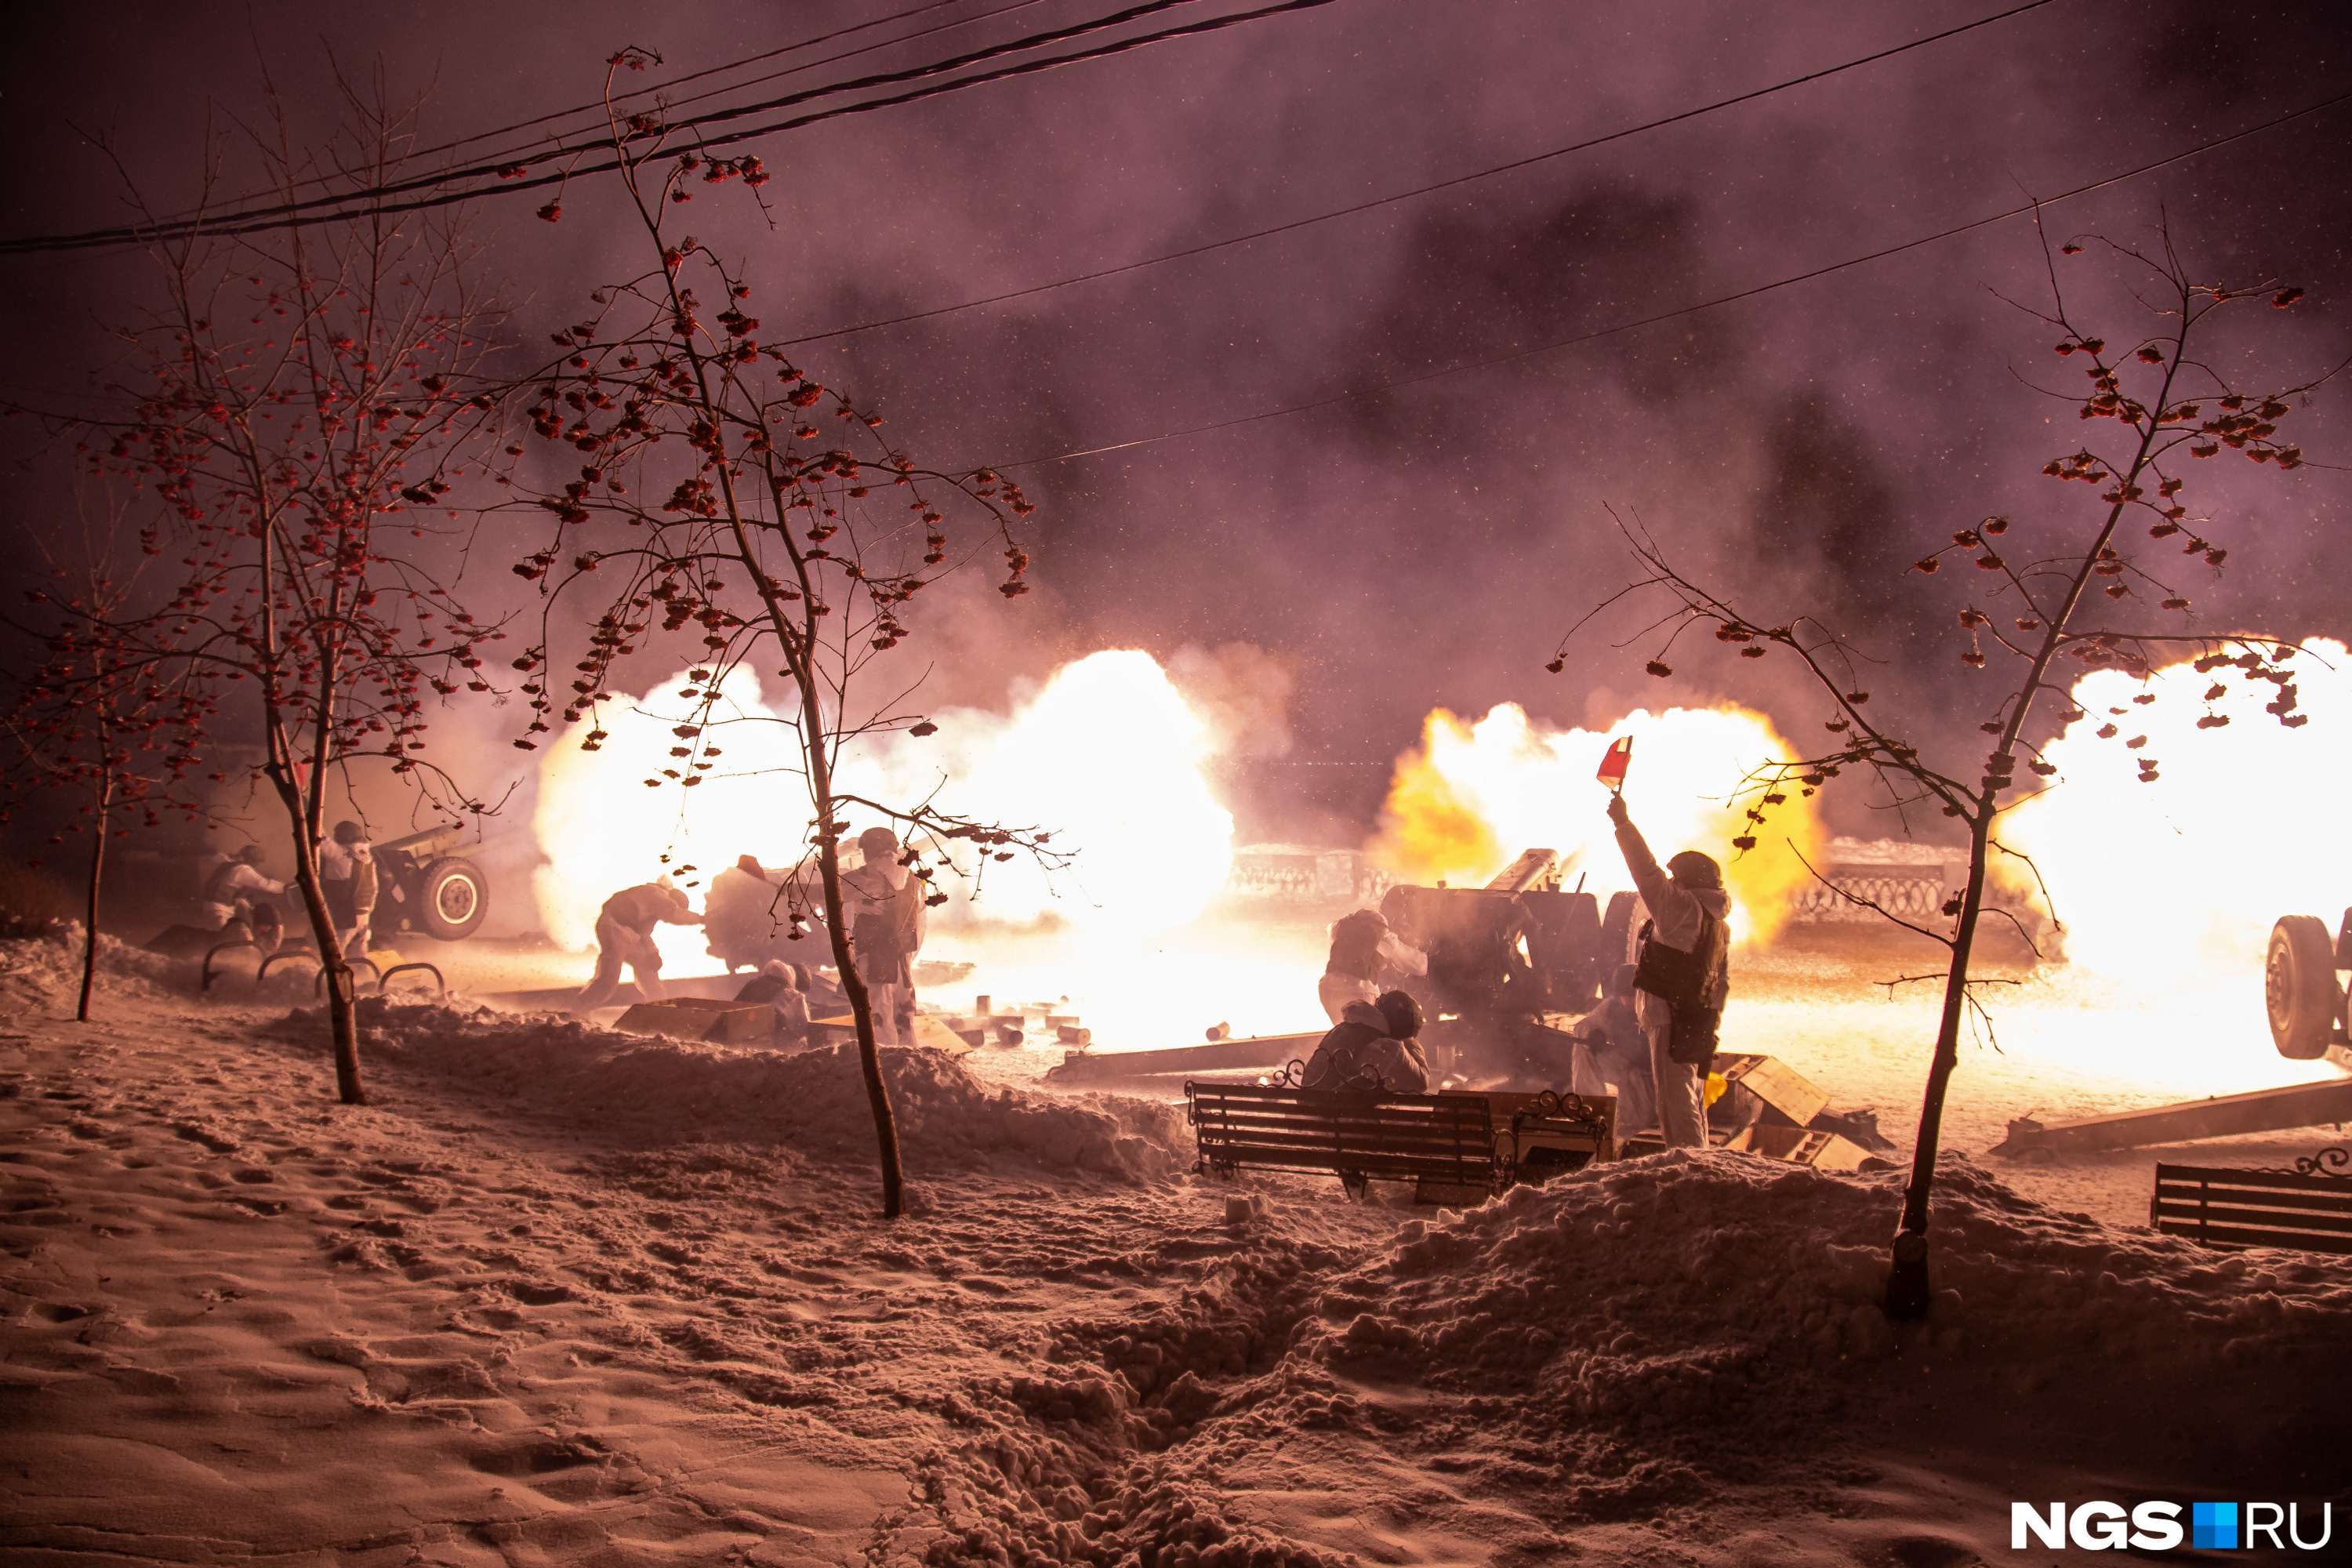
point(1682, 975)
point(1364, 954)
point(1611, 1055)
point(625, 934)
point(237, 901)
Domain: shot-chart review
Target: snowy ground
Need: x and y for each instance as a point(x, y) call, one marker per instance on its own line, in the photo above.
point(564, 1297)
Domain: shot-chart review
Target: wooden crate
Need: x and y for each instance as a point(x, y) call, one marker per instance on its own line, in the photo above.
point(1822, 1149)
point(931, 1033)
point(1534, 1146)
point(698, 1018)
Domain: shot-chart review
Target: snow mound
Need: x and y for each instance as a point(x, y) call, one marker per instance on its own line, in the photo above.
point(1700, 1289)
point(815, 1100)
point(45, 970)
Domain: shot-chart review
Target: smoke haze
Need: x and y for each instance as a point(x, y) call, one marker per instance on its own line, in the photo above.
point(1319, 582)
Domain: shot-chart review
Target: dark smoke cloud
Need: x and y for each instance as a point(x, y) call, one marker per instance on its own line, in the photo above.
point(1479, 284)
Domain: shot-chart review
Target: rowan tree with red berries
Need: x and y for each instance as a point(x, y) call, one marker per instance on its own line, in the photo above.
point(2046, 613)
point(93, 717)
point(290, 418)
point(740, 502)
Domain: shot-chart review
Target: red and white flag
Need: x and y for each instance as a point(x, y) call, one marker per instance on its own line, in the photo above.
point(1613, 762)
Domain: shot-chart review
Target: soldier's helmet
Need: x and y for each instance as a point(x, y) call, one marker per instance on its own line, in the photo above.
point(1403, 1012)
point(1693, 869)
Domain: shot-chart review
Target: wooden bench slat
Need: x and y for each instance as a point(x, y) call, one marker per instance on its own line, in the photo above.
point(1233, 1095)
point(1350, 1158)
point(1318, 1096)
point(1410, 1126)
point(2259, 1181)
point(1439, 1138)
point(2237, 1236)
point(1227, 1148)
point(2266, 1197)
point(1447, 1147)
point(1349, 1110)
point(1276, 1113)
point(2222, 1175)
point(1358, 1160)
point(1345, 1159)
point(2275, 1219)
point(1348, 1129)
point(2304, 1203)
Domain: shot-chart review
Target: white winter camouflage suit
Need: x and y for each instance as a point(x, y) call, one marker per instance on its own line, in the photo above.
point(1676, 910)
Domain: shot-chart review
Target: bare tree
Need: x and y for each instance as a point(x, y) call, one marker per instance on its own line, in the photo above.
point(2152, 401)
point(742, 524)
point(290, 419)
point(92, 716)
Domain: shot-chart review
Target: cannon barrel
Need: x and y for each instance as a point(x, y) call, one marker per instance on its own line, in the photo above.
point(1518, 946)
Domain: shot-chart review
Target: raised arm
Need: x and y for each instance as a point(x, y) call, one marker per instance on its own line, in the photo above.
point(1649, 876)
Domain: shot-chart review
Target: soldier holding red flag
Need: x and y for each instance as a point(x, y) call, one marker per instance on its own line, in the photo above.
point(1682, 975)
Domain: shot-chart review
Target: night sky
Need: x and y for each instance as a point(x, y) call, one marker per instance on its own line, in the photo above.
point(1398, 547)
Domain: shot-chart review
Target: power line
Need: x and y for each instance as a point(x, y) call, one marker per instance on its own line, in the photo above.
point(291, 215)
point(249, 220)
point(598, 108)
point(1334, 400)
point(1417, 190)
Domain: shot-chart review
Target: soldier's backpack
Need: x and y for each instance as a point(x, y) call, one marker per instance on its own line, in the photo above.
point(1685, 980)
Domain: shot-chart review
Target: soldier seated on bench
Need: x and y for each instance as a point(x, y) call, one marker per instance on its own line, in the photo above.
point(1373, 1048)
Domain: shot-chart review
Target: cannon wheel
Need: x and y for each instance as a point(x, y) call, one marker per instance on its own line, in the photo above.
point(1616, 935)
point(2299, 987)
point(453, 899)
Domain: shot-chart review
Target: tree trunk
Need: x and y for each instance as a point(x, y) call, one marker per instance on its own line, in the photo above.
point(342, 990)
point(89, 926)
point(343, 986)
point(869, 1051)
point(861, 1001)
point(1909, 1290)
point(343, 993)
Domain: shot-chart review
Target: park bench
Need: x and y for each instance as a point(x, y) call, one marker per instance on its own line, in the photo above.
point(2306, 1208)
point(1438, 1140)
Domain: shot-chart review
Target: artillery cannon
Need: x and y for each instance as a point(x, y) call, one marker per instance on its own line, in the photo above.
point(1510, 964)
point(422, 887)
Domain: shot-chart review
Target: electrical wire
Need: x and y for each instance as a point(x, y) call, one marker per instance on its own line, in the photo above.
point(290, 214)
point(1417, 190)
point(598, 108)
point(1356, 393)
